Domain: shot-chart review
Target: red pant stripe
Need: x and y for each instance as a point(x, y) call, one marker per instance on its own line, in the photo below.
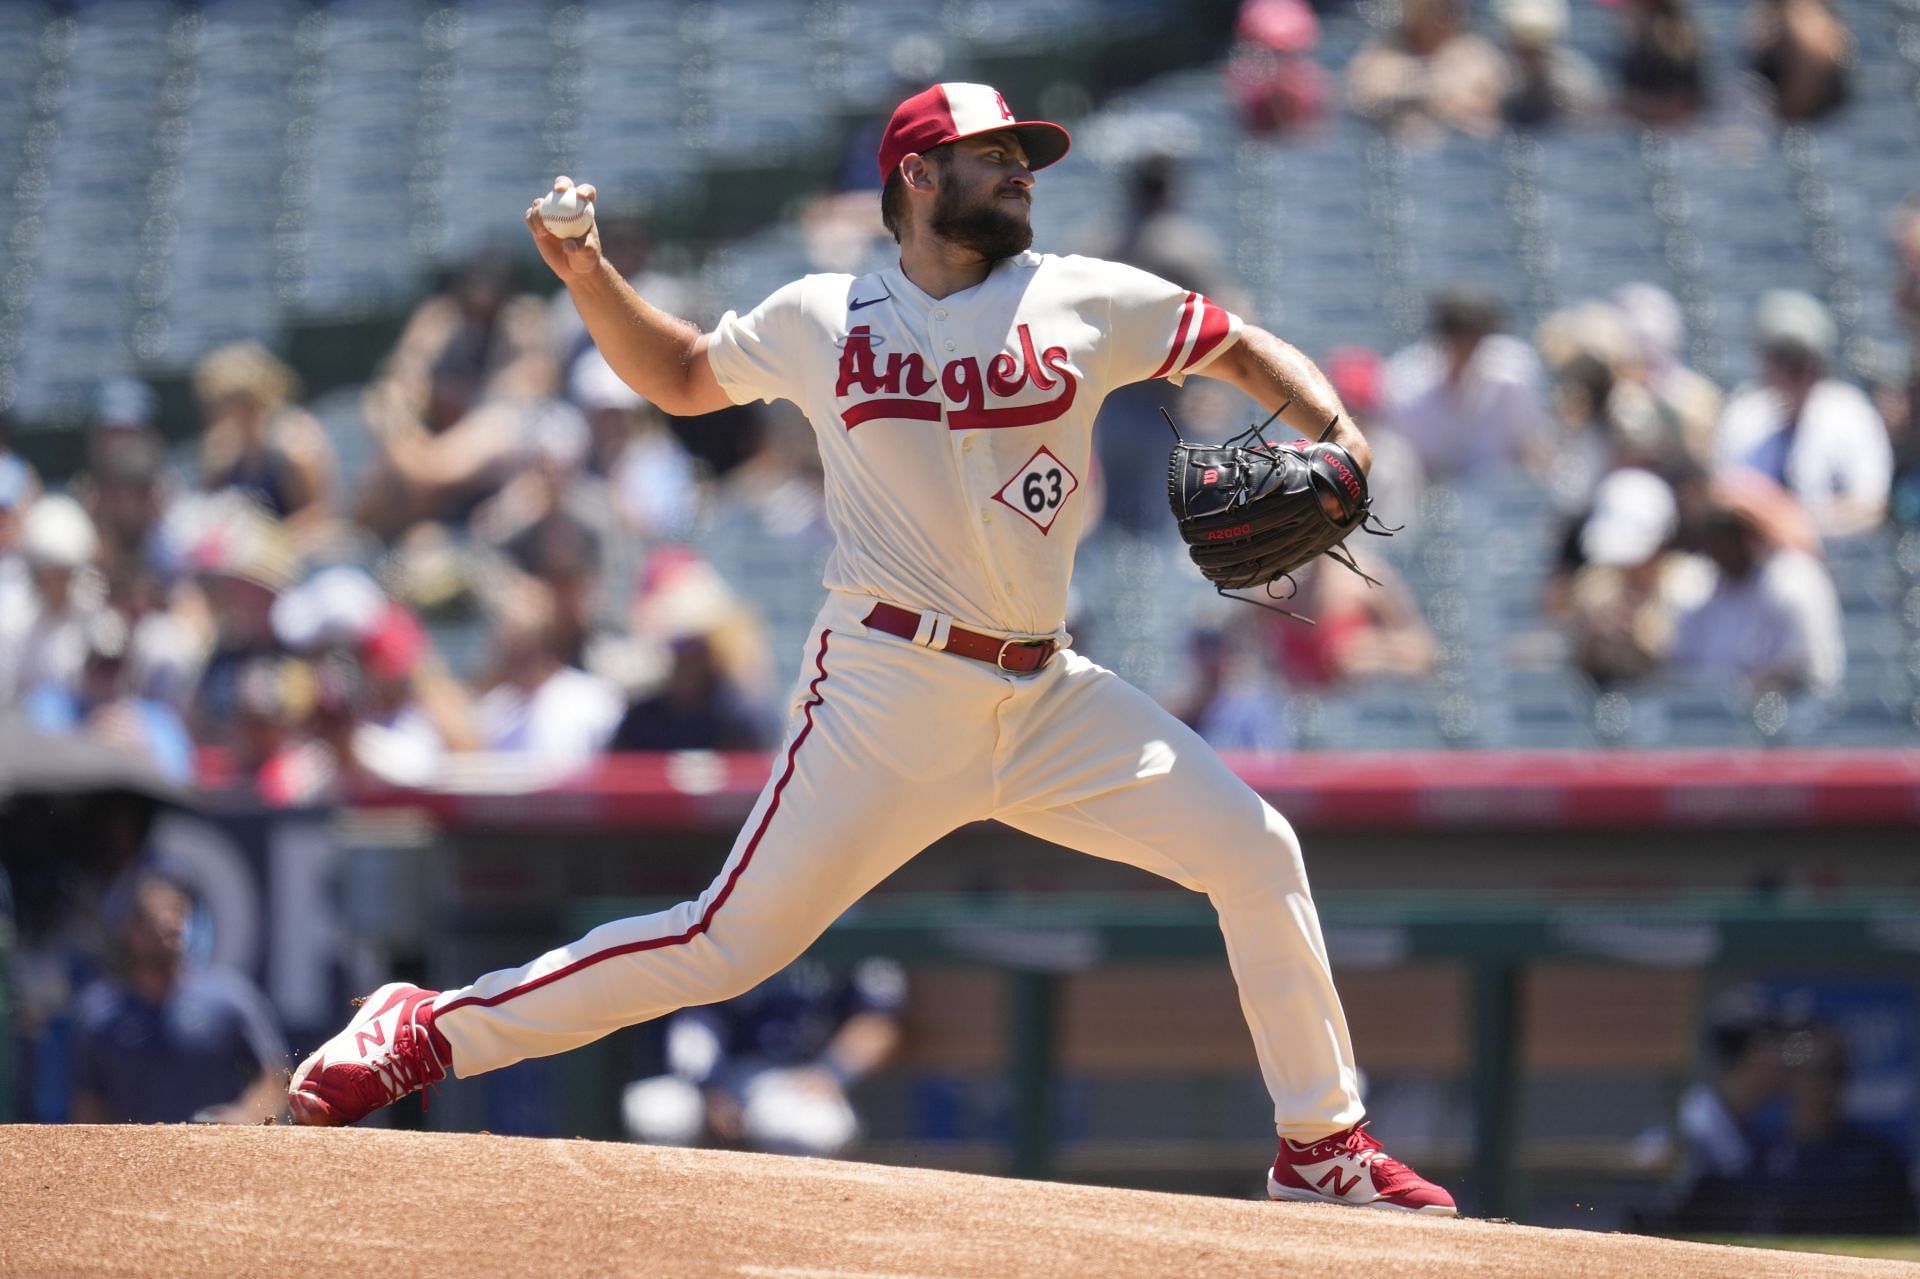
point(720, 899)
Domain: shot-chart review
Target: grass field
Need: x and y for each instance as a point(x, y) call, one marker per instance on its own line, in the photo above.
point(1888, 1248)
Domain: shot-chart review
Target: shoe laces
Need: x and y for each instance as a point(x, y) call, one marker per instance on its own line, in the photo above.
point(1365, 1149)
point(408, 1066)
point(1362, 1146)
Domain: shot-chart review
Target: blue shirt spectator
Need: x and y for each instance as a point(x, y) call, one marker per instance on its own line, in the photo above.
point(163, 1044)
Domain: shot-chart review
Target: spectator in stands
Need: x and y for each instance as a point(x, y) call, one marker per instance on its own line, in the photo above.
point(400, 711)
point(124, 490)
point(1628, 585)
point(1804, 53)
point(696, 707)
point(1430, 75)
point(1546, 82)
point(123, 408)
point(1360, 632)
point(411, 710)
point(104, 702)
point(270, 757)
point(459, 401)
point(1772, 619)
point(1469, 397)
point(1818, 436)
point(242, 561)
point(1397, 478)
point(164, 1042)
point(652, 482)
point(426, 476)
point(1583, 393)
point(1607, 419)
point(1829, 1175)
point(712, 692)
point(549, 526)
point(46, 642)
point(1663, 77)
point(770, 1069)
point(256, 441)
point(1689, 399)
point(1272, 78)
point(1230, 698)
point(705, 701)
point(535, 703)
point(472, 341)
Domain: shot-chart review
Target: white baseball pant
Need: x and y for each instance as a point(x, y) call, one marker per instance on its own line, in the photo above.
point(893, 745)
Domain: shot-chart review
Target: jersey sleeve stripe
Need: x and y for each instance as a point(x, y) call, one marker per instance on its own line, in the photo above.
point(1179, 338)
point(1213, 327)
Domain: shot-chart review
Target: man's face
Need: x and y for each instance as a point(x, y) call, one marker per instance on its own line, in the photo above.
point(156, 933)
point(984, 200)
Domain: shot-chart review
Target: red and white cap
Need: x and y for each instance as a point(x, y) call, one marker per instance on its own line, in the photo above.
point(948, 112)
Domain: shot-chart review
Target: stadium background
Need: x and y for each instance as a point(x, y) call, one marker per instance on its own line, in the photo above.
point(1532, 896)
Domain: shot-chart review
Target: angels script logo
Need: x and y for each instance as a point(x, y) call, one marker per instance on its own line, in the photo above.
point(899, 384)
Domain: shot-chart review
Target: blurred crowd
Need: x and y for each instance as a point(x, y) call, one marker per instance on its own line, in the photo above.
point(1692, 520)
point(1431, 73)
point(250, 611)
point(245, 612)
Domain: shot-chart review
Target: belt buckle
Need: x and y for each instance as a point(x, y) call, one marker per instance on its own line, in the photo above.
point(1000, 658)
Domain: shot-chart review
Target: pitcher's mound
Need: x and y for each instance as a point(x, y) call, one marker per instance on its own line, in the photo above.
point(326, 1203)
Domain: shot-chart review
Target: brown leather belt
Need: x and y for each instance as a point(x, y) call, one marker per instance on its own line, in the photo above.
point(1019, 656)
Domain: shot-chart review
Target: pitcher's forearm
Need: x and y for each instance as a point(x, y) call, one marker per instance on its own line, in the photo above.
point(1275, 372)
point(656, 354)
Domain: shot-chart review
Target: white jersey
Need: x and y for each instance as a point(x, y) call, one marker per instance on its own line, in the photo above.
point(957, 433)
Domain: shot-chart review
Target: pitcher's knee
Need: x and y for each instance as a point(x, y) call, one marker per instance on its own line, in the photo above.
point(1261, 860)
point(740, 966)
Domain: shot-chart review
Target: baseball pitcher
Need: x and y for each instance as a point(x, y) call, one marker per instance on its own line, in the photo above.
point(954, 396)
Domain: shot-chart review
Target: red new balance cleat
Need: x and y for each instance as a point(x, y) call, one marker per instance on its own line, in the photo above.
point(388, 1050)
point(1350, 1168)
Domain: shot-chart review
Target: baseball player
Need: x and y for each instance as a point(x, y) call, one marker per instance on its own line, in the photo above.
point(953, 396)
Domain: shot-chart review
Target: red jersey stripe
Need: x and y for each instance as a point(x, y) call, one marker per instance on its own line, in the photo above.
point(904, 410)
point(1179, 338)
point(1213, 327)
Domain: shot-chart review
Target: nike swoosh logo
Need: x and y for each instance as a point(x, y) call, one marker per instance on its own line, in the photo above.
point(855, 306)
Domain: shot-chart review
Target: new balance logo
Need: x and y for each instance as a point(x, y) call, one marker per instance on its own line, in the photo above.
point(377, 1036)
point(1339, 1188)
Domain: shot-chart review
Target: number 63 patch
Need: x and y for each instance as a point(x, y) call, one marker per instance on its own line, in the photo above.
point(1039, 489)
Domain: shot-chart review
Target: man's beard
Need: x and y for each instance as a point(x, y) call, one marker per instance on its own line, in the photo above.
point(981, 226)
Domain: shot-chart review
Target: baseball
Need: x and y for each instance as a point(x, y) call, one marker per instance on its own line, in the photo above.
point(566, 214)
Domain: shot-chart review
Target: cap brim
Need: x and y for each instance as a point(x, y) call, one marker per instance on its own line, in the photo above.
point(1044, 141)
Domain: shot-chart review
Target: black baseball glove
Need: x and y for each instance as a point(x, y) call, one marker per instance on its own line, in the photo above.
point(1252, 511)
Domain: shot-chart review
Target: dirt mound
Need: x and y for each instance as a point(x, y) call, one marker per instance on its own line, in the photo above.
point(284, 1201)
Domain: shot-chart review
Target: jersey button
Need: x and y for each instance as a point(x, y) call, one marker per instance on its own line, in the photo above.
point(949, 344)
point(941, 314)
point(986, 517)
point(966, 446)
